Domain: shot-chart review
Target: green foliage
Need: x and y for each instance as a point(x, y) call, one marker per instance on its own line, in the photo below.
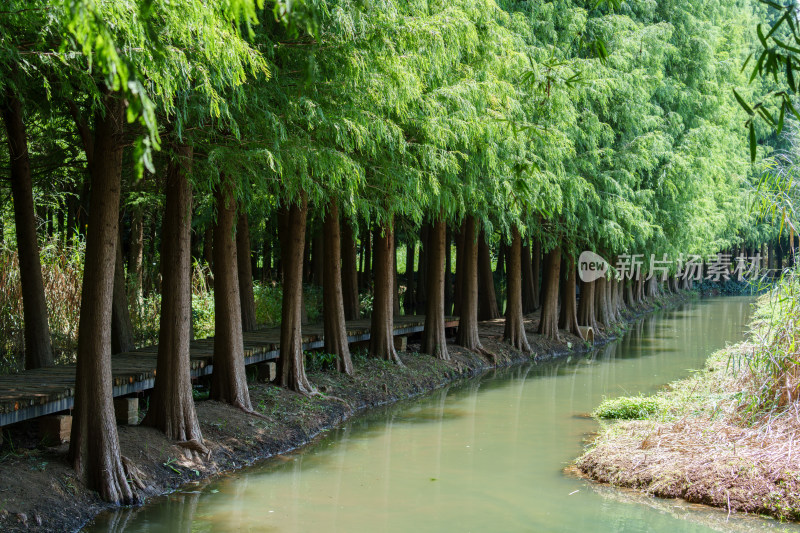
point(773, 364)
point(630, 407)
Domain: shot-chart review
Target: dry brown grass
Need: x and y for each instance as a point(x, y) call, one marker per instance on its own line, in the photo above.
point(708, 448)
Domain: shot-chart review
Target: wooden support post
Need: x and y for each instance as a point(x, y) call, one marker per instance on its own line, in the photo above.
point(55, 429)
point(127, 411)
point(267, 371)
point(401, 343)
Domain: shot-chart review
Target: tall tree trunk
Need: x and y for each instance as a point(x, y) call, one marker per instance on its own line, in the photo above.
point(529, 296)
point(381, 340)
point(335, 331)
point(422, 274)
point(514, 332)
point(349, 273)
point(586, 311)
point(409, 301)
point(459, 281)
point(121, 326)
point(136, 255)
point(292, 372)
point(500, 267)
point(366, 270)
point(228, 378)
point(434, 341)
point(602, 303)
point(629, 299)
point(38, 349)
point(536, 266)
point(467, 335)
point(247, 300)
point(568, 318)
point(548, 322)
point(448, 272)
point(317, 257)
point(94, 442)
point(487, 299)
point(171, 404)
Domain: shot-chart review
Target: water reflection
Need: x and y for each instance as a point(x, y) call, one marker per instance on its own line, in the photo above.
point(487, 455)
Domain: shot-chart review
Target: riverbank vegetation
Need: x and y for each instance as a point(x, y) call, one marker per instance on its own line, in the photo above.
point(725, 436)
point(283, 160)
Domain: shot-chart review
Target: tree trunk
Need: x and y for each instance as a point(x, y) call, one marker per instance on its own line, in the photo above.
point(121, 326)
point(349, 273)
point(536, 266)
point(422, 274)
point(434, 341)
point(38, 349)
point(381, 340)
point(335, 331)
point(292, 372)
point(409, 301)
point(487, 299)
point(366, 270)
point(317, 257)
point(171, 404)
point(514, 332)
point(548, 322)
point(602, 303)
point(467, 335)
point(459, 283)
point(629, 299)
point(586, 311)
point(529, 296)
point(448, 272)
point(228, 379)
point(568, 318)
point(247, 300)
point(94, 442)
point(135, 256)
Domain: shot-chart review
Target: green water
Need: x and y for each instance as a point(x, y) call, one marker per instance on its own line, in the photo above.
point(486, 455)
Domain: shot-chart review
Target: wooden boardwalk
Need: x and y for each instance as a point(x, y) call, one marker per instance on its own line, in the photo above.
point(33, 393)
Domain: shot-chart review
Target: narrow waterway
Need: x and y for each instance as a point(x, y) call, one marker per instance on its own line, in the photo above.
point(485, 455)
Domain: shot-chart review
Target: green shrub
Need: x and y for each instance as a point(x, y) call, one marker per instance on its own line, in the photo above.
point(630, 407)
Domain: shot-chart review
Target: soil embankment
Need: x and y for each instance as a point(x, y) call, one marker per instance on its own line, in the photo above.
point(40, 491)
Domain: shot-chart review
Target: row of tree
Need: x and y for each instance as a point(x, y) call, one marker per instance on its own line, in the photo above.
point(550, 127)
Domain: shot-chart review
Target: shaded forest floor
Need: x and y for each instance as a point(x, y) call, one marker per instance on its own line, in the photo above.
point(40, 491)
point(694, 441)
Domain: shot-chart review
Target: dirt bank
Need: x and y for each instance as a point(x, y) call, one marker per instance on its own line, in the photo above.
point(696, 445)
point(40, 492)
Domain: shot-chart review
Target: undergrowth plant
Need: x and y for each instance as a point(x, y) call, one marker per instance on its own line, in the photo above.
point(773, 362)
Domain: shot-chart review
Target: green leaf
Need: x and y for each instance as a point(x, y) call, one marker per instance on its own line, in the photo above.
point(752, 142)
point(742, 103)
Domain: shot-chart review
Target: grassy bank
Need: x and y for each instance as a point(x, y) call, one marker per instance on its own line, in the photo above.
point(727, 435)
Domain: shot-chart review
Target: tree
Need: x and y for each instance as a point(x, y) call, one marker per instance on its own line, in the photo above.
point(381, 340)
point(94, 443)
point(38, 349)
point(434, 340)
point(514, 332)
point(171, 403)
point(228, 379)
point(291, 370)
point(335, 331)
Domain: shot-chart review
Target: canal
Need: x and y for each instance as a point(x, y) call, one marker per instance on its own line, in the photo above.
point(488, 454)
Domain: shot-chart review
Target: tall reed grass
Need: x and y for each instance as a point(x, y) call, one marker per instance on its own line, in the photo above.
point(772, 362)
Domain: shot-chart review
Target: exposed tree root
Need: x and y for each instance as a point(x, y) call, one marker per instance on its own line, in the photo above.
point(196, 446)
point(133, 474)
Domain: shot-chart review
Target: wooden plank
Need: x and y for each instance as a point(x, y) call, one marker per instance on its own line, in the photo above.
point(34, 393)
